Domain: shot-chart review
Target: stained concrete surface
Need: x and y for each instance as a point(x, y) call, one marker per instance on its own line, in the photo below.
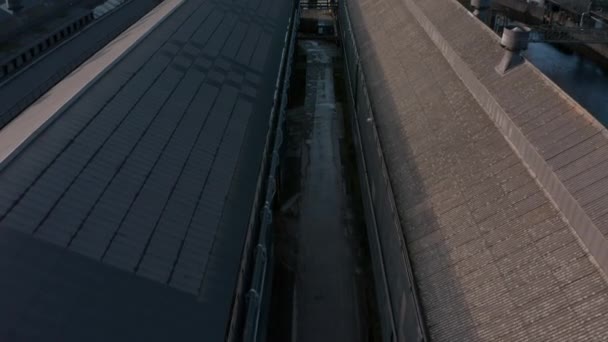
point(328, 298)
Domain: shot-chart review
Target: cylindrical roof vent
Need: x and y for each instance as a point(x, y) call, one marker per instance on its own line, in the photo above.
point(515, 38)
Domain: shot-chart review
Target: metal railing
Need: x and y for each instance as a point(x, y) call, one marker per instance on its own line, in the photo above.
point(400, 312)
point(30, 52)
point(563, 34)
point(320, 5)
point(258, 295)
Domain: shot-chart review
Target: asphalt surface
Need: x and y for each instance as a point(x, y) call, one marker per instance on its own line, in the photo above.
point(124, 217)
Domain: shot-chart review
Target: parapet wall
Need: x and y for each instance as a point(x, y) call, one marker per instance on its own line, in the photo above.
point(396, 293)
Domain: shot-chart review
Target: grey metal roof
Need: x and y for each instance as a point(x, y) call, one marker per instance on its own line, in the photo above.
point(152, 170)
point(493, 258)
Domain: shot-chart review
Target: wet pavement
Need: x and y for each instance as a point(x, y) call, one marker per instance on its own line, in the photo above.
point(329, 302)
point(326, 294)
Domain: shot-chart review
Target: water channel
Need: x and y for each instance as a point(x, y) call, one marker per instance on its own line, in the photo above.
point(581, 73)
point(584, 80)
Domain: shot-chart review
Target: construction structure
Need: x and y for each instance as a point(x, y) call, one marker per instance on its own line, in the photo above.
point(138, 176)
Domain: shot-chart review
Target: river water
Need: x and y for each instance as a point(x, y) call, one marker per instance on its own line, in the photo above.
point(584, 80)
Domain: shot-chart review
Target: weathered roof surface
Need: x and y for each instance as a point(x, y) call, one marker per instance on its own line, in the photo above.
point(150, 173)
point(561, 143)
point(493, 257)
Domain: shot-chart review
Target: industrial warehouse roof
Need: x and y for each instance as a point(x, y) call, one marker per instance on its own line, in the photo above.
point(124, 218)
point(493, 257)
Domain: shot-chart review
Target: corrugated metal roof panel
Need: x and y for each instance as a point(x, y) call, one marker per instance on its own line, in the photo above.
point(492, 256)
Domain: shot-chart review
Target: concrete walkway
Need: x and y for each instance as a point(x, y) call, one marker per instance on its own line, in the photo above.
point(328, 306)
